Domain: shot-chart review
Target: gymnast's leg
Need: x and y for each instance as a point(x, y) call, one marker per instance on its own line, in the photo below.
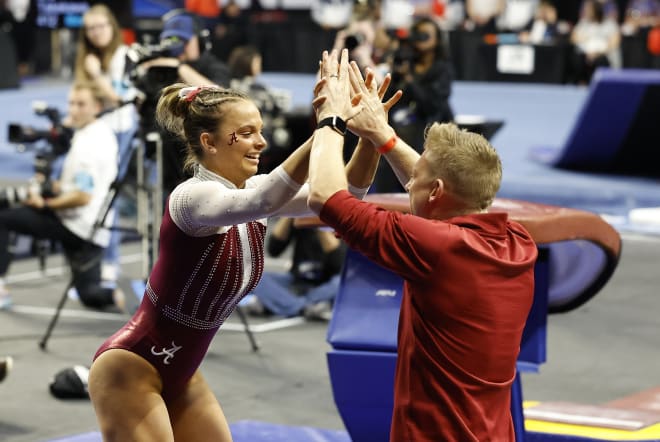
point(125, 391)
point(196, 414)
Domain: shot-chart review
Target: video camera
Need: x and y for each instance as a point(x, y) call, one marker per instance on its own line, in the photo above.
point(352, 41)
point(139, 53)
point(57, 136)
point(405, 53)
point(58, 141)
point(149, 82)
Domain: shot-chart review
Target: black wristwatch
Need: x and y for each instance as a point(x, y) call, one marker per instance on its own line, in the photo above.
point(335, 123)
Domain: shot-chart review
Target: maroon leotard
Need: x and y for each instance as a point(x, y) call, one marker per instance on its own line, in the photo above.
point(202, 272)
point(179, 315)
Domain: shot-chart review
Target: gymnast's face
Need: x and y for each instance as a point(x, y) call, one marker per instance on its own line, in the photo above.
point(237, 145)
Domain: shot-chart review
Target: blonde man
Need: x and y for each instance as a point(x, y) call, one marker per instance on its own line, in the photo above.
point(468, 274)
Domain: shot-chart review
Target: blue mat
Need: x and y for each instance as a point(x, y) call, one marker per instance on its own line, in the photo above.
point(616, 130)
point(250, 431)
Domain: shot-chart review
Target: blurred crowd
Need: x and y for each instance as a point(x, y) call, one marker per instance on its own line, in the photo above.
point(594, 30)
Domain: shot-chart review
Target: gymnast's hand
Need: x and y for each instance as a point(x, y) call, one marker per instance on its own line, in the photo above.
point(333, 89)
point(371, 122)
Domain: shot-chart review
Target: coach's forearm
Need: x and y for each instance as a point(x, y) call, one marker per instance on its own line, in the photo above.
point(326, 167)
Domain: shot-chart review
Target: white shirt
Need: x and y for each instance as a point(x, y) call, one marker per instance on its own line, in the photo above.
point(332, 13)
point(517, 14)
point(90, 166)
point(125, 117)
point(595, 37)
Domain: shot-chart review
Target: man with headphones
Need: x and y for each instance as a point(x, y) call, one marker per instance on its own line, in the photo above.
point(188, 46)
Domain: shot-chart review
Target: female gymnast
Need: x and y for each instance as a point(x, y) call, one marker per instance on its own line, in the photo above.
point(145, 382)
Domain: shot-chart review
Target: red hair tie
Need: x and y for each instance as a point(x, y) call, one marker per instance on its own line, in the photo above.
point(190, 96)
point(189, 93)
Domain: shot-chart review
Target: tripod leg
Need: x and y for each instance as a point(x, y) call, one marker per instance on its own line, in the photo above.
point(56, 316)
point(250, 335)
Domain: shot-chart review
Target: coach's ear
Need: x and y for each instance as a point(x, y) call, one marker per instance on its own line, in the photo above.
point(437, 190)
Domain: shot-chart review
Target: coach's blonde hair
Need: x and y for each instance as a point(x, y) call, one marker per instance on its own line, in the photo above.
point(467, 163)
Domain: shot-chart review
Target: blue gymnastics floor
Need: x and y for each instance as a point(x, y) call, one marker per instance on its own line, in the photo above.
point(251, 431)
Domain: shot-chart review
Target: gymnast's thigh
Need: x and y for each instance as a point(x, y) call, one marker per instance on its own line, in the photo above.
point(125, 391)
point(197, 415)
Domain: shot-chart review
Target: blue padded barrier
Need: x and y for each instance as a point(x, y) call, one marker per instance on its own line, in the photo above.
point(363, 334)
point(362, 384)
point(368, 302)
point(617, 122)
point(575, 268)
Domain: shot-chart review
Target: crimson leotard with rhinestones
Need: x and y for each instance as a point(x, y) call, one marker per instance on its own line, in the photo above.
point(211, 255)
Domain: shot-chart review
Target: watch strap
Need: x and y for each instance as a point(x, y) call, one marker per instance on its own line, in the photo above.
point(335, 123)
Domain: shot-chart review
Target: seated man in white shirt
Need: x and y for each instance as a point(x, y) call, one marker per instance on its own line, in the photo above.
point(69, 217)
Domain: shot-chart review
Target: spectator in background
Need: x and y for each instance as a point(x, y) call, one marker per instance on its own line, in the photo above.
point(23, 31)
point(245, 64)
point(69, 213)
point(191, 62)
point(640, 16)
point(359, 37)
point(421, 69)
point(189, 53)
point(610, 9)
point(331, 14)
point(518, 15)
point(230, 31)
point(482, 15)
point(641, 26)
point(311, 285)
point(597, 43)
point(544, 29)
point(245, 67)
point(101, 59)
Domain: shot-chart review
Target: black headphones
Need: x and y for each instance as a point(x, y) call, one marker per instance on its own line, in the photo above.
point(180, 17)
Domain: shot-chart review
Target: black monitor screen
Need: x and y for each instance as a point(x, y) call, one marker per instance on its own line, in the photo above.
point(60, 14)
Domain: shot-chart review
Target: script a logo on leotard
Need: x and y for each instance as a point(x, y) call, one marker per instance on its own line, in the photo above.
point(386, 293)
point(167, 352)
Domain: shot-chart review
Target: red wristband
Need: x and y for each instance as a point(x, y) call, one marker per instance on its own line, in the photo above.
point(389, 145)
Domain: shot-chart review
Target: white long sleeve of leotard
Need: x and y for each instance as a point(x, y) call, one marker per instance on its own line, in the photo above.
point(298, 204)
point(207, 203)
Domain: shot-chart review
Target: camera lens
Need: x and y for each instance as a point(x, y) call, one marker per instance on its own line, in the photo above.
point(353, 41)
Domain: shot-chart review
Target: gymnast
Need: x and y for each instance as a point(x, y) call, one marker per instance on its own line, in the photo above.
point(145, 383)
